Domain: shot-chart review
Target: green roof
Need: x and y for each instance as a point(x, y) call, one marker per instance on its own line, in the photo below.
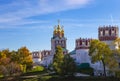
point(72, 52)
point(84, 65)
point(64, 49)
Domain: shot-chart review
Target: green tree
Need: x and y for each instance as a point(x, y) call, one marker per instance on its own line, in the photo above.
point(117, 55)
point(58, 60)
point(117, 44)
point(100, 51)
point(69, 65)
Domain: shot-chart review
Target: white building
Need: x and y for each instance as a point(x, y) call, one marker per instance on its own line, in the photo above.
point(106, 34)
point(39, 56)
point(81, 55)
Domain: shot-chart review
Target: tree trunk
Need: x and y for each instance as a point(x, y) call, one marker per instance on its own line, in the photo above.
point(104, 67)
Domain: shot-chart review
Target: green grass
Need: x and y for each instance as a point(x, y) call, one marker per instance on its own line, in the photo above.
point(37, 68)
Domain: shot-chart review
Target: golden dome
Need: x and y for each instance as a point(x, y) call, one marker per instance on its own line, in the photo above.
point(55, 30)
point(58, 28)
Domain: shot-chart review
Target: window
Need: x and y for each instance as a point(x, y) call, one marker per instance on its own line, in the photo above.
point(101, 33)
point(112, 32)
point(106, 32)
point(83, 43)
point(88, 43)
point(62, 42)
point(57, 42)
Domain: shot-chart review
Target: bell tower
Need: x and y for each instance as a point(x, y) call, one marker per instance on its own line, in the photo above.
point(58, 39)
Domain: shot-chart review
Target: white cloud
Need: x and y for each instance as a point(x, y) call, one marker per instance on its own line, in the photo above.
point(21, 9)
point(77, 2)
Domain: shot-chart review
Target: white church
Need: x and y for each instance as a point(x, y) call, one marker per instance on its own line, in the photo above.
point(106, 34)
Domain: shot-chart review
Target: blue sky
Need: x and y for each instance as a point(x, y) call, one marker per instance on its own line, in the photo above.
point(31, 23)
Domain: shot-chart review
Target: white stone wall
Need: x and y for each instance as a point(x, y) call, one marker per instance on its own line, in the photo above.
point(47, 60)
point(82, 56)
point(36, 60)
point(111, 44)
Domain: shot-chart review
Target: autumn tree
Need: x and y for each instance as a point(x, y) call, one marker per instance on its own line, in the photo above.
point(25, 57)
point(7, 65)
point(15, 62)
point(58, 60)
point(100, 51)
point(4, 57)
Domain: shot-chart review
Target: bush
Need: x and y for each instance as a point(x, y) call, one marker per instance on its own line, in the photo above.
point(85, 68)
point(88, 71)
point(117, 74)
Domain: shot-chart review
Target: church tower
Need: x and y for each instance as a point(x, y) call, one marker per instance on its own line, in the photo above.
point(58, 39)
point(108, 34)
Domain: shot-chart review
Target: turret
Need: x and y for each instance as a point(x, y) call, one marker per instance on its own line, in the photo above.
point(82, 43)
point(108, 33)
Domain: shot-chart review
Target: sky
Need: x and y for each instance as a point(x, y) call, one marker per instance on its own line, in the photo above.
point(31, 23)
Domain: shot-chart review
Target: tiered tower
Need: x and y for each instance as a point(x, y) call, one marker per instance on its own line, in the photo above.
point(82, 50)
point(108, 34)
point(58, 39)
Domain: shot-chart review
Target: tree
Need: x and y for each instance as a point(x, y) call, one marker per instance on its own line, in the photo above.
point(13, 62)
point(117, 55)
point(25, 58)
point(13, 68)
point(69, 65)
point(117, 44)
point(58, 60)
point(5, 57)
point(15, 57)
point(100, 51)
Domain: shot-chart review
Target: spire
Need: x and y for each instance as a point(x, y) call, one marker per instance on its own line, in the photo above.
point(58, 28)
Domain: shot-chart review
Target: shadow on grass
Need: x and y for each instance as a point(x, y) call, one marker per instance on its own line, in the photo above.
point(55, 77)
